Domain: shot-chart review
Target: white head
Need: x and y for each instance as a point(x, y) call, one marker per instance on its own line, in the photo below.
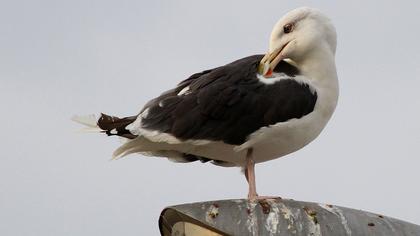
point(301, 33)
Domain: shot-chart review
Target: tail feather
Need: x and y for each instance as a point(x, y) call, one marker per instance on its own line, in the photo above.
point(89, 121)
point(111, 125)
point(140, 145)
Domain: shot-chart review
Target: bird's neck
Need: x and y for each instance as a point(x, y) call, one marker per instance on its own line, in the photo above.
point(319, 66)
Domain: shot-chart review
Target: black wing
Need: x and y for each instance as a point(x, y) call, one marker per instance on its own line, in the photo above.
point(228, 103)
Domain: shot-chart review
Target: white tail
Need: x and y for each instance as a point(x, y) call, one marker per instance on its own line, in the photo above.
point(90, 121)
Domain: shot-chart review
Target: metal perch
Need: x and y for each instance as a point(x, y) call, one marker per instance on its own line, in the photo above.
point(277, 217)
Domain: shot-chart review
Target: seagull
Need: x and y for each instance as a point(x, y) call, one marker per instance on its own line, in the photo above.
point(252, 110)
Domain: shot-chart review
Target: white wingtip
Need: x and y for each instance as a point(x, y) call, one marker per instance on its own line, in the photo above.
point(90, 121)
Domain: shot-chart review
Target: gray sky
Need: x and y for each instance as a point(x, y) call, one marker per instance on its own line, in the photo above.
point(60, 58)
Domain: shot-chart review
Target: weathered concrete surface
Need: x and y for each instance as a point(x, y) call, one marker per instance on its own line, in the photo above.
point(282, 217)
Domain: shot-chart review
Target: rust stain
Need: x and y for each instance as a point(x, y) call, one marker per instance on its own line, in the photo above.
point(265, 206)
point(311, 213)
point(248, 211)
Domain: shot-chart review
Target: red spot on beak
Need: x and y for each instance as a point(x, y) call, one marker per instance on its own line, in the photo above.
point(269, 72)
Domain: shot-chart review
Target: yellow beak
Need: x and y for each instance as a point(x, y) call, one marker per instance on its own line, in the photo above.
point(270, 61)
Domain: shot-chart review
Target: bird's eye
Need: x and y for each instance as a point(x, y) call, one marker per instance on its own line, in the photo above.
point(288, 28)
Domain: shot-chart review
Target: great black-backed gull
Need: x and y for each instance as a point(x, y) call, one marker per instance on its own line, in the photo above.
point(252, 110)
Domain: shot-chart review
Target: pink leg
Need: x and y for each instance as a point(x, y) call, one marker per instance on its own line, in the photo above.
point(250, 176)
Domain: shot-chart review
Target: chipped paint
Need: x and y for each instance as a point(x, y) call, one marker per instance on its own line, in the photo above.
point(314, 228)
point(272, 221)
point(252, 222)
point(338, 212)
point(312, 213)
point(343, 220)
point(211, 213)
point(288, 215)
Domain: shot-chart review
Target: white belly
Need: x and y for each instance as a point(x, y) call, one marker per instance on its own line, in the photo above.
point(267, 143)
